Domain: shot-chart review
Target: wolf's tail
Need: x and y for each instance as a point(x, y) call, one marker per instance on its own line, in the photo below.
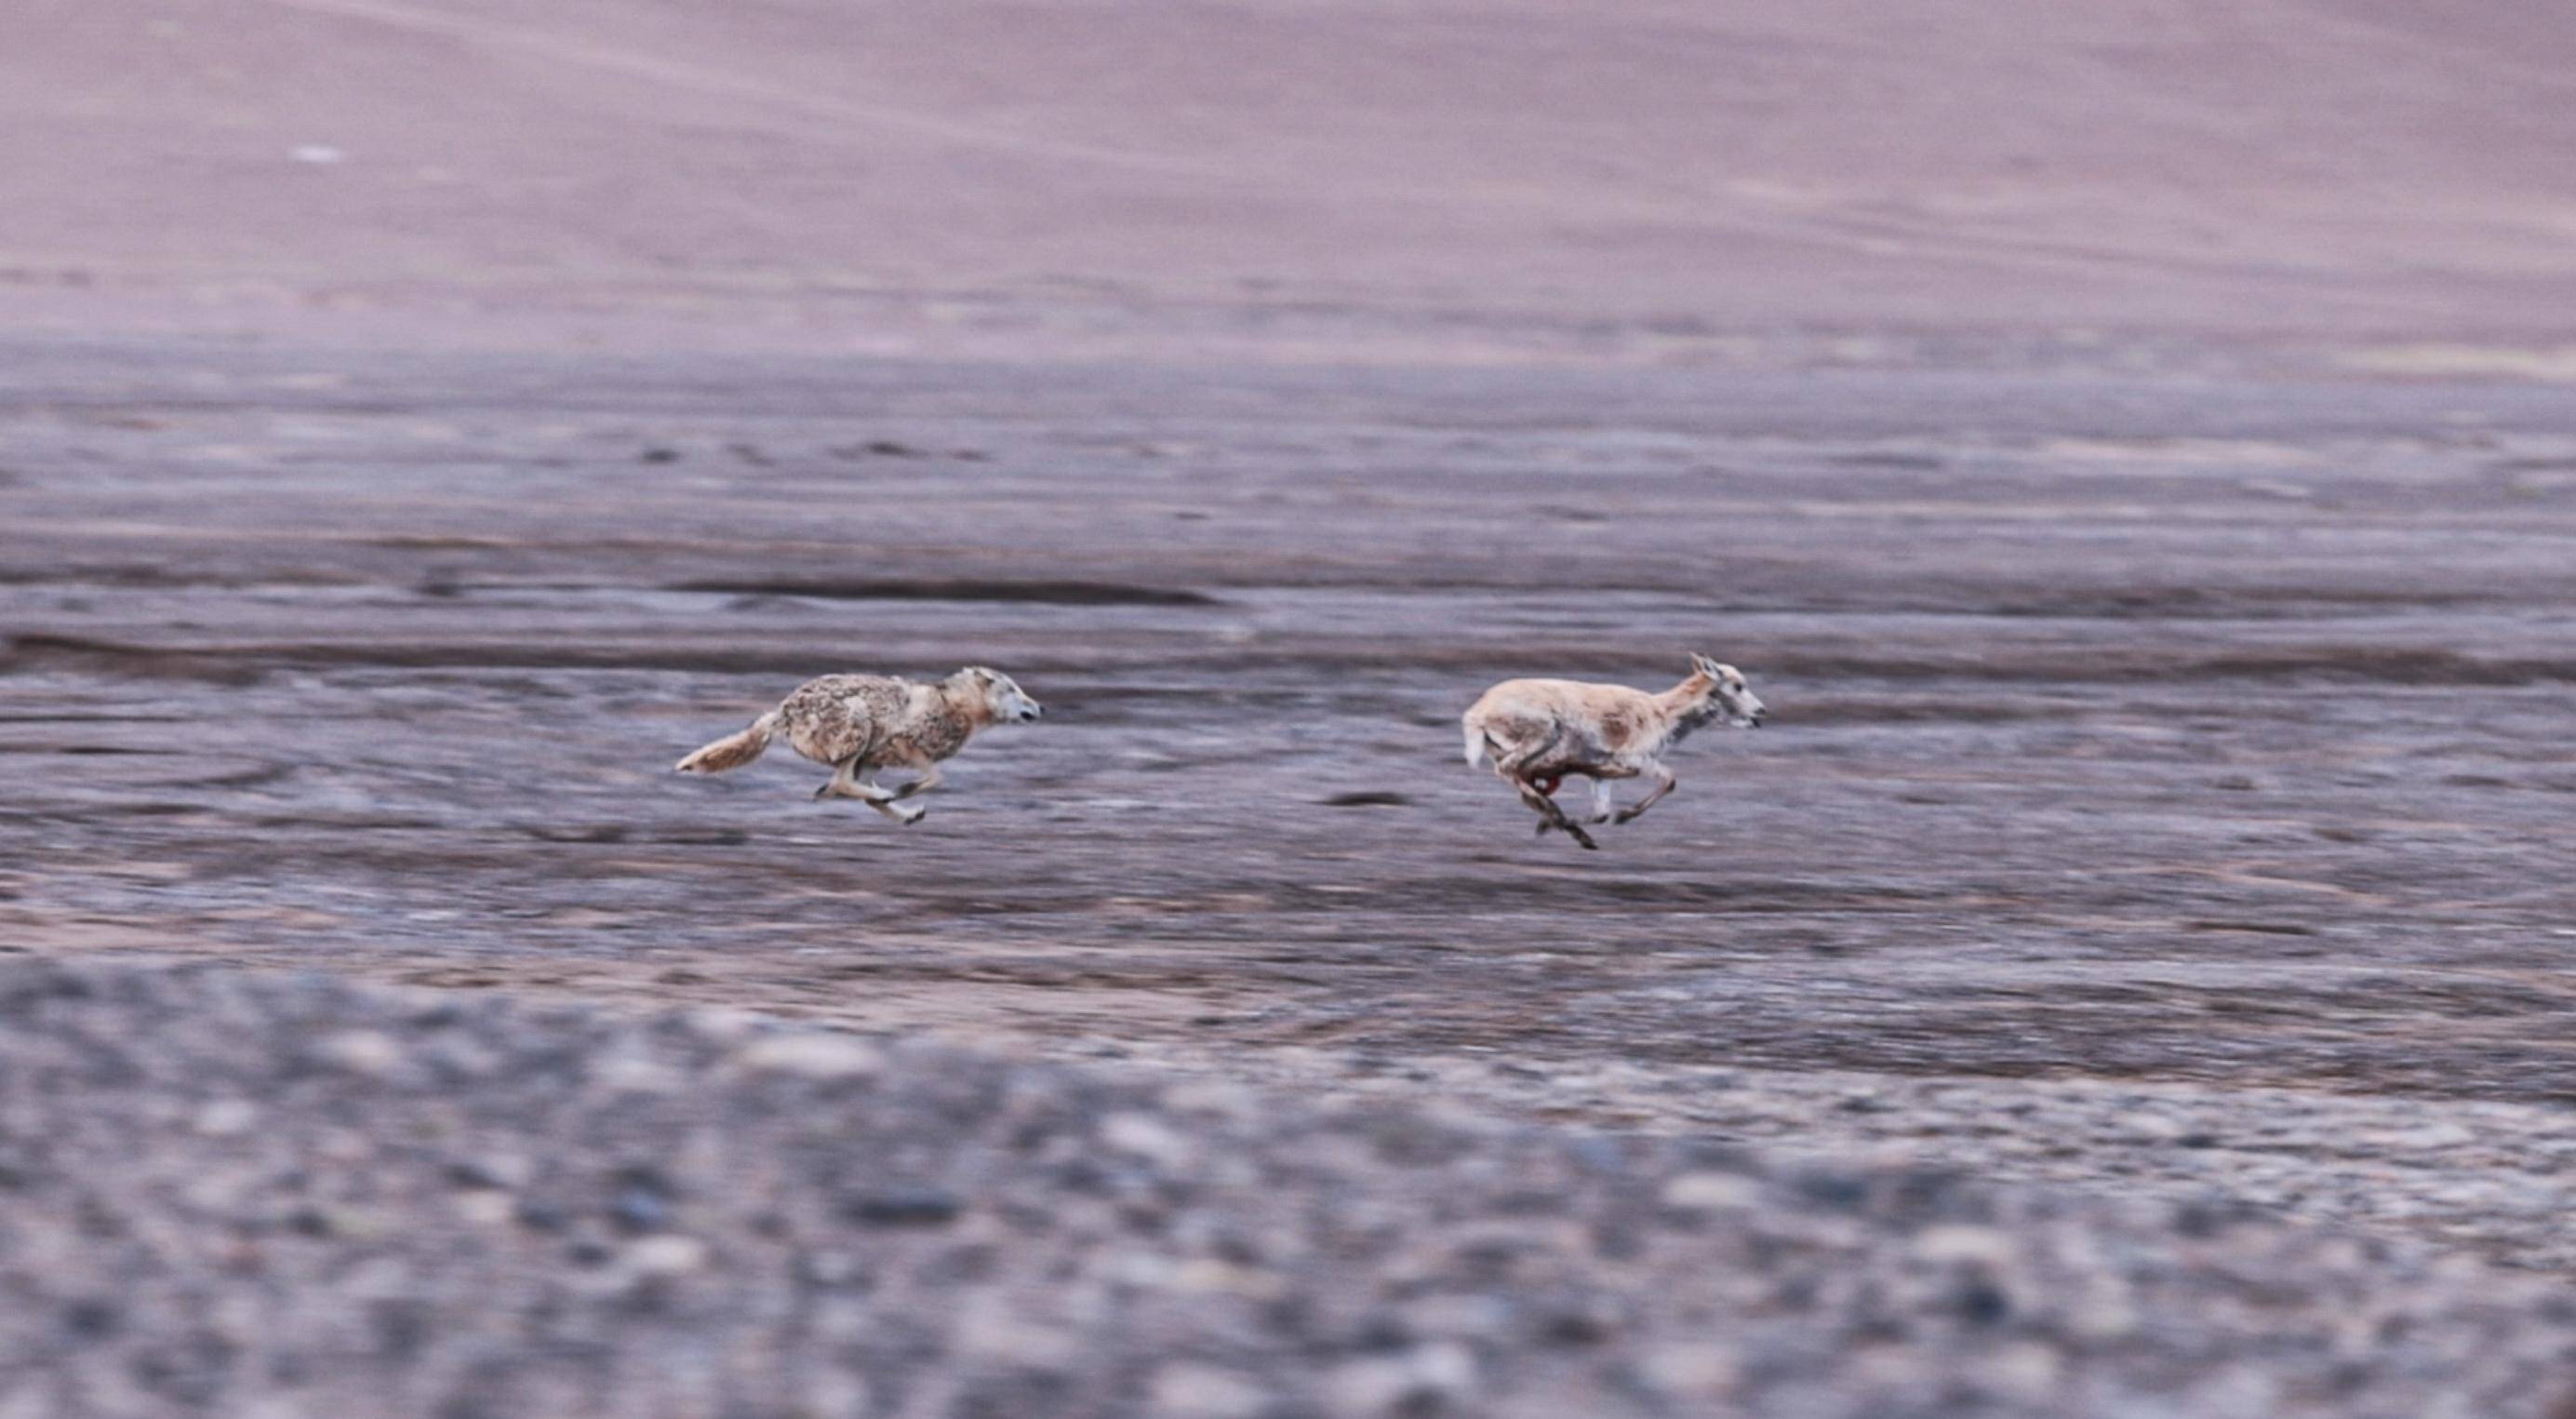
point(734, 750)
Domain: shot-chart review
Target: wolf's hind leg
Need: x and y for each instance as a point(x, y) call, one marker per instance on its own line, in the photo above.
point(845, 784)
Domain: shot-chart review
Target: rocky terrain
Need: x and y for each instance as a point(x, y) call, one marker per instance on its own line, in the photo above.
point(278, 1195)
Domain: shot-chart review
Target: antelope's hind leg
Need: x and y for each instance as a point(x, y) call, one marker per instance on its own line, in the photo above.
point(1546, 783)
point(1553, 816)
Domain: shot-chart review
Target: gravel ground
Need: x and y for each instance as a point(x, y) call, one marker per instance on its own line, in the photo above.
point(2491, 1180)
point(248, 1193)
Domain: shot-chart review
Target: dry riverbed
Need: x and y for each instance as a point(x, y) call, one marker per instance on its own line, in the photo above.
point(2165, 802)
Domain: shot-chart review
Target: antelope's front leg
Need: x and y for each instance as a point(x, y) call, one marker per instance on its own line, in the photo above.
point(1630, 812)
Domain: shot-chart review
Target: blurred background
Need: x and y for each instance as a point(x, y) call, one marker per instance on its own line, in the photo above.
point(1632, 177)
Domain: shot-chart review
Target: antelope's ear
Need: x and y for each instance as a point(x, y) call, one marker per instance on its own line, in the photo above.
point(1703, 664)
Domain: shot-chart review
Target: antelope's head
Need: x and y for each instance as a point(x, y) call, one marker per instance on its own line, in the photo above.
point(1727, 693)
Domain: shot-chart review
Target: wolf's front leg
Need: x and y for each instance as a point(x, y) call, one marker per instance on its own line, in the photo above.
point(929, 780)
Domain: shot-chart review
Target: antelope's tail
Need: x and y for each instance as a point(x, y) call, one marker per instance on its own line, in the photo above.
point(734, 750)
point(1475, 743)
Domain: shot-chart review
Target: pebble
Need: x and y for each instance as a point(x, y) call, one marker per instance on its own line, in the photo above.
point(1427, 1375)
point(1980, 1246)
point(1709, 1192)
point(226, 1118)
point(369, 1052)
point(813, 1056)
point(904, 1207)
point(1188, 1391)
point(1692, 1370)
point(1146, 1137)
point(668, 1254)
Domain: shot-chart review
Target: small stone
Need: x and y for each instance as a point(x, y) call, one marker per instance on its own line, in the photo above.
point(1147, 1137)
point(226, 1118)
point(92, 1317)
point(485, 1208)
point(1188, 1391)
point(1692, 1371)
point(904, 1207)
point(507, 1172)
point(1208, 1275)
point(816, 1056)
point(639, 1207)
point(829, 1268)
point(2028, 1372)
point(2102, 1320)
point(1979, 1246)
point(1981, 1302)
point(1834, 1189)
point(1458, 1317)
point(369, 1052)
point(636, 1074)
point(1711, 1192)
point(346, 1223)
point(669, 1254)
point(1419, 1379)
point(1586, 1320)
point(988, 1326)
point(2157, 1127)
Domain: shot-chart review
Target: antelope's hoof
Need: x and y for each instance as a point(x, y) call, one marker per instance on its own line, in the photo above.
point(1586, 839)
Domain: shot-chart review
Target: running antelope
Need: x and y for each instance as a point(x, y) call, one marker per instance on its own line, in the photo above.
point(860, 724)
point(1542, 732)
